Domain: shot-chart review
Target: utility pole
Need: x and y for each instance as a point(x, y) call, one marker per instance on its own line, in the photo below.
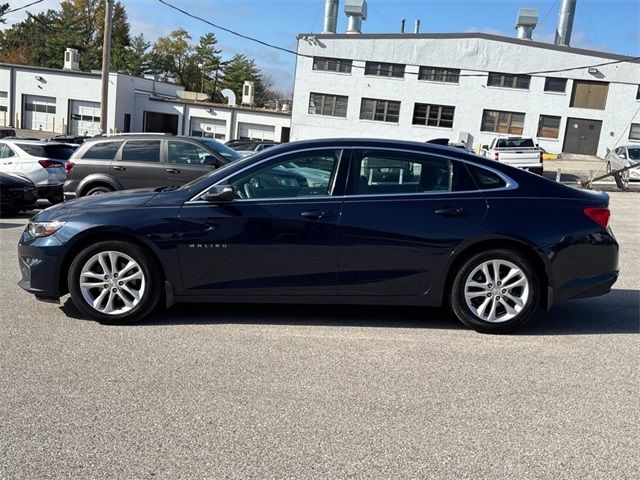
point(106, 59)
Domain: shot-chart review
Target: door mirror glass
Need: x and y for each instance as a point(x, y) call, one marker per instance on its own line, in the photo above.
point(221, 193)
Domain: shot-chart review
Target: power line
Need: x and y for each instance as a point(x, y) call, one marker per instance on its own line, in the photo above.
point(303, 55)
point(23, 7)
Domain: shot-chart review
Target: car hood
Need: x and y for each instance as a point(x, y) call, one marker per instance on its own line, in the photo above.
point(11, 180)
point(120, 199)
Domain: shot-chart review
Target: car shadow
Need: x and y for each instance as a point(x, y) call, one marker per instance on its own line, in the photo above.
point(615, 313)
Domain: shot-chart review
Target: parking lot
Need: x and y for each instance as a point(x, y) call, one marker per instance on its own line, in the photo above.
point(241, 391)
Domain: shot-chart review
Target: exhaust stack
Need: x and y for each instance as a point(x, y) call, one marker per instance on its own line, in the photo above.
point(416, 29)
point(330, 16)
point(565, 22)
point(356, 11)
point(526, 22)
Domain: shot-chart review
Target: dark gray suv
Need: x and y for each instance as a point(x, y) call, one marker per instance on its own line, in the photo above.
point(121, 162)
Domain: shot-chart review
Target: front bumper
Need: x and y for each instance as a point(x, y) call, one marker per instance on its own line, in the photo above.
point(40, 262)
point(19, 199)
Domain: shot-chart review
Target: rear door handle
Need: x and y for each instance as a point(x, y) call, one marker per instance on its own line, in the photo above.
point(451, 212)
point(118, 167)
point(172, 170)
point(316, 214)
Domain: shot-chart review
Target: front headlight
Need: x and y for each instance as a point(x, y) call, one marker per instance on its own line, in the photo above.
point(43, 229)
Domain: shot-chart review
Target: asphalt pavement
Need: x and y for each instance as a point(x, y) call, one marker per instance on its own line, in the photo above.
point(242, 391)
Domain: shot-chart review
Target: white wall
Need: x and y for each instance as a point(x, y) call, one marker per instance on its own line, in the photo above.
point(470, 96)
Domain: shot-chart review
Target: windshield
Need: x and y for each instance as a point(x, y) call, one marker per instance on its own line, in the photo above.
point(55, 152)
point(515, 143)
point(228, 153)
point(634, 153)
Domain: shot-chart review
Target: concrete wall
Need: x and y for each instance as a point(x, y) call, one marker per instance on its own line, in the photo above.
point(470, 96)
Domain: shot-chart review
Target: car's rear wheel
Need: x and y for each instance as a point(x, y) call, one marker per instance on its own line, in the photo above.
point(495, 291)
point(98, 190)
point(114, 282)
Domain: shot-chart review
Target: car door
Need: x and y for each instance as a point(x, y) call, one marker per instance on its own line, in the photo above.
point(186, 161)
point(139, 164)
point(277, 237)
point(403, 215)
point(7, 157)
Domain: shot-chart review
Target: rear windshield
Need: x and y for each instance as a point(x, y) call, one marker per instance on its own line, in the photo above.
point(228, 153)
point(515, 143)
point(56, 152)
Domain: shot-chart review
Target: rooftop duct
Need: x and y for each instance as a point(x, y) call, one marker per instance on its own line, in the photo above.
point(565, 22)
point(525, 23)
point(356, 11)
point(330, 16)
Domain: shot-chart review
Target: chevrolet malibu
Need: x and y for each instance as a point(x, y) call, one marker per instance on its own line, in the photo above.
point(331, 221)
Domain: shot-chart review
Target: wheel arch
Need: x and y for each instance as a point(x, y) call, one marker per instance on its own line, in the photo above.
point(95, 180)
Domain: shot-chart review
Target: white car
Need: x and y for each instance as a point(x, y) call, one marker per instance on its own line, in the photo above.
point(44, 163)
point(622, 157)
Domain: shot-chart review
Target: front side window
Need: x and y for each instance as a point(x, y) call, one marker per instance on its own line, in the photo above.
point(508, 80)
point(380, 69)
point(330, 105)
point(102, 151)
point(339, 65)
point(555, 84)
point(380, 110)
point(435, 74)
point(433, 115)
point(548, 126)
point(502, 122)
point(307, 174)
point(184, 153)
point(634, 153)
point(141, 151)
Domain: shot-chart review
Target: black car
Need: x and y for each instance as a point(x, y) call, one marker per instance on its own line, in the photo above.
point(109, 163)
point(331, 221)
point(7, 132)
point(76, 139)
point(16, 194)
point(251, 145)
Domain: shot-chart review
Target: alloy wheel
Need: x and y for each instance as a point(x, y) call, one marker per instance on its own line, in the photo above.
point(112, 282)
point(496, 291)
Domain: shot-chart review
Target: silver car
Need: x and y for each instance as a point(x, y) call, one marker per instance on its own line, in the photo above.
point(44, 163)
point(625, 156)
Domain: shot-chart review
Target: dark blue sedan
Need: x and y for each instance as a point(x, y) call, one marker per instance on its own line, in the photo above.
point(331, 221)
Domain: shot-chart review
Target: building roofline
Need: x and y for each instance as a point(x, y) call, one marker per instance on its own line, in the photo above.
point(220, 106)
point(478, 35)
point(33, 68)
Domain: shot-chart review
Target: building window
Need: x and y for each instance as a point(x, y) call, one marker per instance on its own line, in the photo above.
point(331, 105)
point(380, 110)
point(634, 132)
point(39, 107)
point(433, 115)
point(555, 84)
point(637, 93)
point(3, 94)
point(339, 65)
point(588, 94)
point(3, 108)
point(508, 80)
point(502, 122)
point(435, 74)
point(379, 69)
point(548, 126)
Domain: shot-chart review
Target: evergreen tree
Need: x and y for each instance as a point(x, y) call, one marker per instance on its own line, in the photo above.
point(239, 69)
point(137, 56)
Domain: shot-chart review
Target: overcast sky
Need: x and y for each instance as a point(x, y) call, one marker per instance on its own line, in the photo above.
point(611, 25)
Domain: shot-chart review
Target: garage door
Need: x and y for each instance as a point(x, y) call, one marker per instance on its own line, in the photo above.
point(209, 128)
point(255, 131)
point(85, 118)
point(39, 112)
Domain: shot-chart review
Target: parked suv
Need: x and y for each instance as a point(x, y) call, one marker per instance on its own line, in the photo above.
point(121, 162)
point(44, 163)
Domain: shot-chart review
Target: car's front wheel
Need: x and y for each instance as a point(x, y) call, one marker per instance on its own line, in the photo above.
point(495, 291)
point(114, 282)
point(98, 190)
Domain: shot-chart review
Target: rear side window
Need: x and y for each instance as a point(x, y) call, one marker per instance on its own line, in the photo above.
point(486, 179)
point(56, 152)
point(102, 151)
point(141, 151)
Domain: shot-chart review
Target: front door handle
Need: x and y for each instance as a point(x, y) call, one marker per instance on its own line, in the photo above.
point(316, 214)
point(451, 212)
point(119, 168)
point(172, 170)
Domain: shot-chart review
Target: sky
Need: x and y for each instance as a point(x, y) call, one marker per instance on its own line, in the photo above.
point(606, 25)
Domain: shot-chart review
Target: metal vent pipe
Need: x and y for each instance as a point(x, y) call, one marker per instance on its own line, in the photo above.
point(402, 22)
point(417, 27)
point(565, 22)
point(330, 16)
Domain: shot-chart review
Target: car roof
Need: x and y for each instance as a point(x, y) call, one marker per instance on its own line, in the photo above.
point(27, 142)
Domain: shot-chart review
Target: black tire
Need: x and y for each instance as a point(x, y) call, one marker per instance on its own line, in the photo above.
point(55, 199)
point(8, 212)
point(458, 303)
point(98, 190)
point(152, 276)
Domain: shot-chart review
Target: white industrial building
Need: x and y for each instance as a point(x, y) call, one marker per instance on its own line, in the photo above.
point(468, 87)
point(67, 101)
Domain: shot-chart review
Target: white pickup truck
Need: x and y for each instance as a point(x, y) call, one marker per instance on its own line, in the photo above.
point(519, 152)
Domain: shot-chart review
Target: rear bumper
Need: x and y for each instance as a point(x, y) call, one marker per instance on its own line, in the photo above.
point(48, 191)
point(583, 288)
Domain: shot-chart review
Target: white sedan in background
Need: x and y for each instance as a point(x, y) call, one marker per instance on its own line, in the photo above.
point(622, 157)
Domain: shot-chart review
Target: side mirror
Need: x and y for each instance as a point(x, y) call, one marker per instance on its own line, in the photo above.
point(221, 193)
point(485, 147)
point(211, 161)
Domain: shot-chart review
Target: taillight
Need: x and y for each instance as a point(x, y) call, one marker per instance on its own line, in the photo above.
point(496, 157)
point(600, 215)
point(68, 166)
point(50, 164)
